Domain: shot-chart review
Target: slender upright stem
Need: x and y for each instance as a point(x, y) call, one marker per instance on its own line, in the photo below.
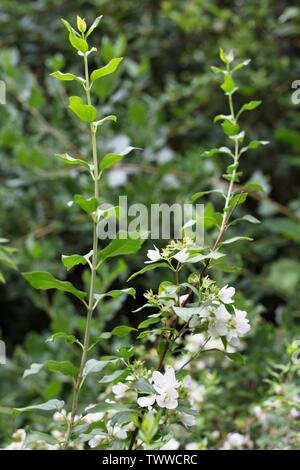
point(90, 308)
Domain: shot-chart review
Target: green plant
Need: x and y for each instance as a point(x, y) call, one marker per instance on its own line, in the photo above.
point(190, 305)
point(94, 259)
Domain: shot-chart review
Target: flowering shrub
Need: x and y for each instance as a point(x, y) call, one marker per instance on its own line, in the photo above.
point(148, 386)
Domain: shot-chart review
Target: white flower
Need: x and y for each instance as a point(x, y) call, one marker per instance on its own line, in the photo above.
point(226, 294)
point(19, 435)
point(218, 325)
point(96, 440)
point(162, 382)
point(194, 342)
point(183, 298)
point(241, 322)
point(168, 399)
point(192, 446)
point(236, 440)
point(240, 326)
point(181, 256)
point(120, 390)
point(59, 416)
point(93, 417)
point(153, 255)
point(165, 386)
point(187, 420)
point(295, 413)
point(149, 400)
point(58, 435)
point(119, 433)
point(172, 444)
point(195, 391)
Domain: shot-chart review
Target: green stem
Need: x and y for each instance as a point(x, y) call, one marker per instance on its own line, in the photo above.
point(230, 188)
point(90, 308)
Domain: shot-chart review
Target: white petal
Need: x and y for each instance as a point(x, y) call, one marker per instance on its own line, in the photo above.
point(170, 378)
point(181, 256)
point(158, 381)
point(172, 404)
point(146, 401)
point(95, 441)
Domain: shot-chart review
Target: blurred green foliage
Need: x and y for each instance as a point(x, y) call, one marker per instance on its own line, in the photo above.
point(165, 96)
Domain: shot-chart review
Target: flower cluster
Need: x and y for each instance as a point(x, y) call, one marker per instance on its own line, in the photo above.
point(223, 319)
point(165, 387)
point(177, 250)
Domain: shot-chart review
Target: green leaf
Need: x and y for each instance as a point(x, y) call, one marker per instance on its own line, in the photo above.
point(230, 128)
point(89, 205)
point(149, 267)
point(253, 187)
point(115, 293)
point(124, 417)
point(109, 160)
point(69, 27)
point(121, 246)
point(212, 255)
point(151, 320)
point(94, 25)
point(64, 367)
point(81, 24)
point(73, 260)
point(112, 158)
point(61, 335)
point(116, 376)
point(100, 123)
point(227, 58)
point(93, 366)
point(228, 85)
point(249, 107)
point(257, 143)
point(197, 196)
point(237, 199)
point(189, 411)
point(34, 369)
point(236, 357)
point(104, 406)
point(65, 157)
point(248, 218)
point(149, 427)
point(107, 69)
point(185, 313)
point(251, 219)
point(143, 386)
point(241, 65)
point(122, 330)
point(67, 77)
point(44, 281)
point(217, 69)
point(6, 259)
point(85, 112)
point(126, 351)
point(78, 43)
point(209, 153)
point(235, 239)
point(51, 405)
point(35, 436)
point(223, 117)
point(212, 152)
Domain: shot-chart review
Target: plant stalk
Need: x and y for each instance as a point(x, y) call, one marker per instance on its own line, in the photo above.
point(86, 343)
